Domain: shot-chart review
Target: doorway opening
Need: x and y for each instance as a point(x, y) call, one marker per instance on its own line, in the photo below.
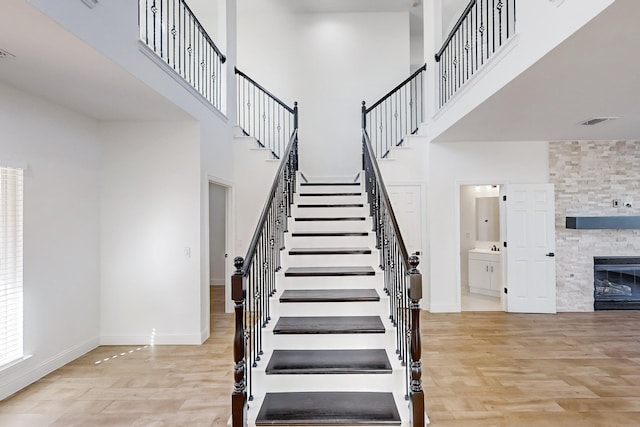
point(481, 258)
point(218, 243)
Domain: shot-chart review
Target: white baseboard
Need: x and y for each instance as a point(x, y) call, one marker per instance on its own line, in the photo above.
point(22, 374)
point(169, 339)
point(444, 308)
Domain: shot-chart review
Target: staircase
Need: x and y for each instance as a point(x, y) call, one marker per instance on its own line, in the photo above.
point(329, 349)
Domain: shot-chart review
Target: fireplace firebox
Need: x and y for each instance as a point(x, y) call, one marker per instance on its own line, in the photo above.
point(616, 283)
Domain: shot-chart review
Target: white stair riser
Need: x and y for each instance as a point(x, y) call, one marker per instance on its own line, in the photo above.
point(330, 241)
point(325, 212)
point(331, 382)
point(332, 282)
point(327, 341)
point(330, 188)
point(368, 308)
point(327, 200)
point(329, 260)
point(346, 226)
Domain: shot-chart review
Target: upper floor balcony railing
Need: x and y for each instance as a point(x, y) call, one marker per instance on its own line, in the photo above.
point(485, 25)
point(397, 114)
point(173, 32)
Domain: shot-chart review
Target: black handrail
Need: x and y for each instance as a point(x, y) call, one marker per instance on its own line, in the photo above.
point(259, 86)
point(483, 27)
point(455, 28)
point(292, 146)
point(402, 281)
point(254, 281)
point(385, 196)
point(172, 31)
point(223, 58)
point(397, 114)
point(395, 89)
point(263, 115)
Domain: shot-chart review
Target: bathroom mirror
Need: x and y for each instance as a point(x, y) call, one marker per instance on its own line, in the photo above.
point(487, 219)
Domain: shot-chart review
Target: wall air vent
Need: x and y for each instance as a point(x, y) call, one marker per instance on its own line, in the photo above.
point(6, 55)
point(596, 120)
point(91, 3)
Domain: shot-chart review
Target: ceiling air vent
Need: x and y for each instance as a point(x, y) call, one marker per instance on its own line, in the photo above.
point(596, 120)
point(6, 55)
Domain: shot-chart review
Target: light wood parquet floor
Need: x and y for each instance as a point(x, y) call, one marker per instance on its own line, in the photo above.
point(479, 369)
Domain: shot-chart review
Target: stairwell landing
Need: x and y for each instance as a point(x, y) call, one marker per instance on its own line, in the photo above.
point(329, 349)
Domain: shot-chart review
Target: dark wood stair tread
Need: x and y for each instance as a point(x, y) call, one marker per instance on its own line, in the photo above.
point(328, 408)
point(329, 295)
point(324, 184)
point(330, 271)
point(331, 218)
point(330, 234)
point(330, 251)
point(330, 194)
point(329, 325)
point(332, 205)
point(301, 362)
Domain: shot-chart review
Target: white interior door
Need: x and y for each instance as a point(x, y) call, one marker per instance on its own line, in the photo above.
point(530, 257)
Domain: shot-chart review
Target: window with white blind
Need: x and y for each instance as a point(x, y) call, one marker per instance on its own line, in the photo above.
point(11, 204)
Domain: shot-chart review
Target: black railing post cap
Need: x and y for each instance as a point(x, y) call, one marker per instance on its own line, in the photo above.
point(414, 260)
point(238, 262)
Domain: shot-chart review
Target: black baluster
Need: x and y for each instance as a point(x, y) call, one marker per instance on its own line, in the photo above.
point(493, 25)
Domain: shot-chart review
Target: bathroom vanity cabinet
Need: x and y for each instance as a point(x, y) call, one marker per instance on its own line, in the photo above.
point(485, 272)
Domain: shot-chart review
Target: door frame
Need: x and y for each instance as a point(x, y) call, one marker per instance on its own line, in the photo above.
point(229, 237)
point(476, 182)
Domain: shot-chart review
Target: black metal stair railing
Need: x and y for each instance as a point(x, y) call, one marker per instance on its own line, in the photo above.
point(263, 116)
point(402, 281)
point(396, 115)
point(483, 27)
point(172, 31)
point(253, 282)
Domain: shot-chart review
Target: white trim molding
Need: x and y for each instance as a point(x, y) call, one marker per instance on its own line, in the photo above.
point(19, 376)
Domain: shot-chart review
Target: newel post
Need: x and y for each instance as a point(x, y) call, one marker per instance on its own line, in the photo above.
point(364, 115)
point(416, 394)
point(295, 115)
point(239, 395)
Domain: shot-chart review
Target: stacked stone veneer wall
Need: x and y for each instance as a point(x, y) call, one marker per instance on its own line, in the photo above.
point(588, 175)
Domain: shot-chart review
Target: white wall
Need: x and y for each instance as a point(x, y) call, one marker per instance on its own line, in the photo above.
point(467, 230)
point(208, 13)
point(417, 52)
point(217, 224)
point(449, 166)
point(150, 212)
point(451, 11)
point(329, 63)
point(61, 271)
point(96, 27)
point(541, 26)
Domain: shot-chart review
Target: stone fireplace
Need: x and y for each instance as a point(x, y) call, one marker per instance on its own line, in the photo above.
point(588, 176)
